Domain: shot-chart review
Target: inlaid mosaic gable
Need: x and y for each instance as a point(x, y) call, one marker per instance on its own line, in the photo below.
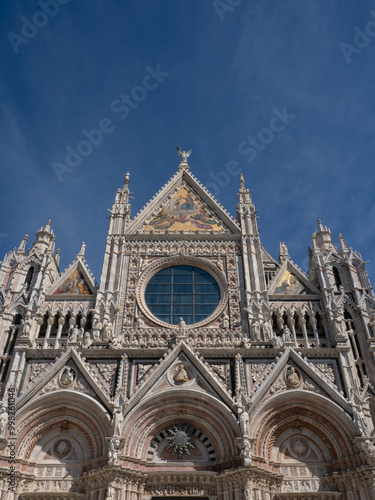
point(290, 285)
point(74, 284)
point(184, 212)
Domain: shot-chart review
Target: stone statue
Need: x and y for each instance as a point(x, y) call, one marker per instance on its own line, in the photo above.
point(277, 341)
point(246, 451)
point(224, 322)
point(244, 423)
point(67, 377)
point(292, 377)
point(360, 420)
point(183, 154)
point(3, 420)
point(74, 335)
point(86, 340)
point(114, 446)
point(117, 421)
point(267, 332)
point(107, 331)
point(181, 328)
point(287, 335)
point(97, 327)
point(139, 322)
point(110, 494)
point(116, 342)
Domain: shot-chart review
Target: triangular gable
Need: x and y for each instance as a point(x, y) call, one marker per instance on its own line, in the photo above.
point(290, 283)
point(183, 204)
point(76, 281)
point(328, 390)
point(70, 357)
point(184, 212)
point(211, 382)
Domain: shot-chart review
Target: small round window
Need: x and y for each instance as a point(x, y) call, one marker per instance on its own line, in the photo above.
point(186, 292)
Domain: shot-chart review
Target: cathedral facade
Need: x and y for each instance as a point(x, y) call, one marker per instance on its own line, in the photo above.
point(199, 368)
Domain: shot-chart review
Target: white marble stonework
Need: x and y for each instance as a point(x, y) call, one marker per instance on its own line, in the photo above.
point(199, 367)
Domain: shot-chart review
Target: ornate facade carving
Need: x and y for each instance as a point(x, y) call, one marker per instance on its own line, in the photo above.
point(270, 394)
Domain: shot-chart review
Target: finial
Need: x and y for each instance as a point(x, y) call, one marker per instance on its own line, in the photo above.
point(48, 226)
point(344, 247)
point(21, 248)
point(184, 156)
point(57, 256)
point(242, 181)
point(81, 253)
point(283, 253)
point(321, 228)
point(126, 180)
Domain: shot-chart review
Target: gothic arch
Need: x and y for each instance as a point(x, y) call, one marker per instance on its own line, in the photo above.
point(63, 415)
point(203, 412)
point(314, 412)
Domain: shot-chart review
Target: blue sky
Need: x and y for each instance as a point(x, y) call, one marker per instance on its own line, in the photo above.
point(222, 71)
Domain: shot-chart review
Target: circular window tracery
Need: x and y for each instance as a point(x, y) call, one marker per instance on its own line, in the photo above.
point(192, 289)
point(186, 292)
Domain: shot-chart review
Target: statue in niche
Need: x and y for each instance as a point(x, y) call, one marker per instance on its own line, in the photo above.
point(292, 377)
point(107, 331)
point(67, 377)
point(224, 322)
point(86, 342)
point(287, 334)
point(181, 376)
point(73, 338)
point(97, 327)
point(139, 323)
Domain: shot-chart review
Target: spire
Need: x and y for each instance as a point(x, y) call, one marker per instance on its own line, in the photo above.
point(121, 209)
point(81, 253)
point(344, 247)
point(322, 239)
point(243, 193)
point(283, 253)
point(48, 226)
point(184, 156)
point(57, 256)
point(21, 248)
point(44, 238)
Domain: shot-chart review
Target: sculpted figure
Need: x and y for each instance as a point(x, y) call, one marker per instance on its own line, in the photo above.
point(224, 322)
point(246, 451)
point(96, 330)
point(181, 327)
point(287, 337)
point(293, 377)
point(139, 322)
point(360, 420)
point(117, 421)
point(107, 331)
point(87, 340)
point(244, 423)
point(3, 420)
point(74, 334)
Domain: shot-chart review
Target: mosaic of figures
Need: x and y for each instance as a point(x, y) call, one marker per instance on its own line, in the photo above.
point(184, 213)
point(74, 284)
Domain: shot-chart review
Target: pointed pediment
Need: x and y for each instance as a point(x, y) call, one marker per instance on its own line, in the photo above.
point(292, 372)
point(183, 205)
point(75, 282)
point(181, 369)
point(69, 372)
point(290, 283)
